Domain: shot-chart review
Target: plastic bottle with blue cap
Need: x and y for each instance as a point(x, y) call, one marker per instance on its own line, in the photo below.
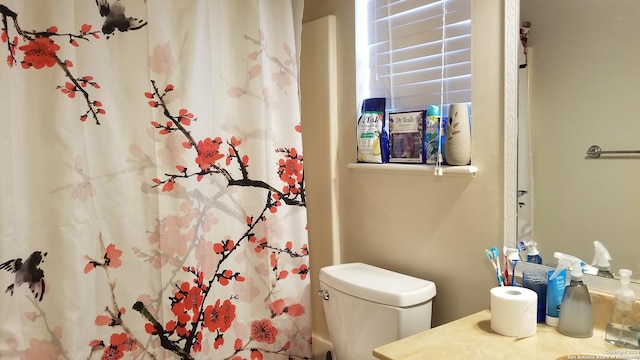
point(533, 256)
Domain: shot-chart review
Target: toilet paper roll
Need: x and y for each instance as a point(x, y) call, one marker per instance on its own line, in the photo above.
point(513, 311)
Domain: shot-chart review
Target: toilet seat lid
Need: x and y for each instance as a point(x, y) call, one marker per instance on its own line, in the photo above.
point(378, 285)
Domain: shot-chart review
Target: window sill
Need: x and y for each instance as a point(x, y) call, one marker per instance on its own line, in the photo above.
point(414, 168)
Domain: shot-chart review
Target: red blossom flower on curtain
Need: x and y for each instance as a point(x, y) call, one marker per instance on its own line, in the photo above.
point(168, 186)
point(282, 79)
point(191, 298)
point(112, 257)
point(96, 344)
point(237, 345)
point(183, 318)
point(303, 270)
point(219, 316)
point(280, 307)
point(256, 355)
point(110, 320)
point(119, 343)
point(39, 52)
point(206, 258)
point(290, 170)
point(209, 152)
point(185, 117)
point(161, 60)
point(197, 343)
point(219, 341)
point(123, 341)
point(112, 353)
point(235, 92)
point(276, 200)
point(264, 331)
point(82, 191)
point(150, 329)
point(102, 320)
point(170, 239)
point(246, 291)
point(236, 141)
point(85, 28)
point(41, 349)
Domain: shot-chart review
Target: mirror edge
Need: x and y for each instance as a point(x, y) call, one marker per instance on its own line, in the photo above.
point(511, 38)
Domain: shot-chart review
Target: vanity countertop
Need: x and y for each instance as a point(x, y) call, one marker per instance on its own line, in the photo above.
point(471, 337)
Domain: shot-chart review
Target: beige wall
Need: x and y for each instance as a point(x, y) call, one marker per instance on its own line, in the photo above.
point(434, 228)
point(320, 140)
point(584, 90)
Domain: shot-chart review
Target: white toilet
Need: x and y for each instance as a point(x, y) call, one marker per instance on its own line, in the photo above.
point(366, 307)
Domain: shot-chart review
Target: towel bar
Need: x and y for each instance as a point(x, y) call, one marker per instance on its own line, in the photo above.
point(595, 151)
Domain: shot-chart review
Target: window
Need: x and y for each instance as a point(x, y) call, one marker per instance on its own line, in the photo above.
point(406, 55)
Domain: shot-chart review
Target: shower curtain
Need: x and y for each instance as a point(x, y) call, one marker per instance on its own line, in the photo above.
point(152, 187)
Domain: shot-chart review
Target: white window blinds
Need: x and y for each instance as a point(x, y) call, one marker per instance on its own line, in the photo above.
point(400, 53)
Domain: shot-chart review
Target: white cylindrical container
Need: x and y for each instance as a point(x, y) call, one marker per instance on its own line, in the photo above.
point(457, 147)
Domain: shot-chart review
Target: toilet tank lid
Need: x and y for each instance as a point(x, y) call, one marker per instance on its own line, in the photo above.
point(377, 284)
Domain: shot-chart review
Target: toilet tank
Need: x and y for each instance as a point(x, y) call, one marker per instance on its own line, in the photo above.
point(366, 307)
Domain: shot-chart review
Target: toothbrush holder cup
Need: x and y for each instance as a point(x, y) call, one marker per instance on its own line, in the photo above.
point(537, 280)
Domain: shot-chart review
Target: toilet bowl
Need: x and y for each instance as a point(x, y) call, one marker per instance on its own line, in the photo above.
point(366, 307)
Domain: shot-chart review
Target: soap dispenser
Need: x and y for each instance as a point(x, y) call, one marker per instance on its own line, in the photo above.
point(576, 314)
point(622, 328)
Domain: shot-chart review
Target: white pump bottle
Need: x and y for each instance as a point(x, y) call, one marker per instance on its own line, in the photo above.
point(622, 327)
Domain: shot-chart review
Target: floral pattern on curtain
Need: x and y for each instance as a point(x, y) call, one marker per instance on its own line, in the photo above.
point(153, 195)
